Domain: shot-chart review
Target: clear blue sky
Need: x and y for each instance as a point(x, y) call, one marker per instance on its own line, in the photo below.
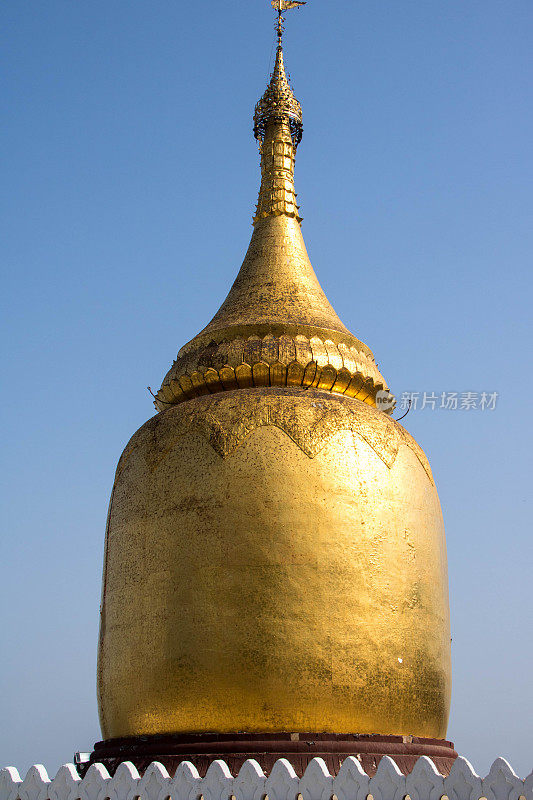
point(128, 182)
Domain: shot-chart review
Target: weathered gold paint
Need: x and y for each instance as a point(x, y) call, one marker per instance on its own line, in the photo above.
point(275, 555)
point(275, 561)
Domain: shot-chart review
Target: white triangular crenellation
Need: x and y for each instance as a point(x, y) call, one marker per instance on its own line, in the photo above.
point(35, 785)
point(388, 783)
point(283, 782)
point(250, 782)
point(10, 781)
point(95, 785)
point(316, 783)
point(424, 782)
point(218, 781)
point(502, 783)
point(155, 783)
point(351, 782)
point(66, 784)
point(125, 782)
point(186, 784)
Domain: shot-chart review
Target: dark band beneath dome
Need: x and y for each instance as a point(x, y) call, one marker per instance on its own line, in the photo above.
point(266, 748)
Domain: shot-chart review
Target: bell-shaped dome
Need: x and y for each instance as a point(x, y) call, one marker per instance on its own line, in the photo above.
point(275, 560)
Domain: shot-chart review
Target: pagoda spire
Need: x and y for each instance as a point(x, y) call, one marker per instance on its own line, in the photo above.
point(276, 326)
point(278, 128)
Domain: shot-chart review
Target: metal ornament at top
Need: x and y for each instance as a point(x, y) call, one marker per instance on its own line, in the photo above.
point(281, 6)
point(286, 5)
point(278, 102)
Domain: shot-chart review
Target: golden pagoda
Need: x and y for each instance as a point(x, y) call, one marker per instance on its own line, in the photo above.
point(275, 560)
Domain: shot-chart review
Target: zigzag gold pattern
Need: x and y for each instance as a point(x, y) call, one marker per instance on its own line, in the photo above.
point(226, 419)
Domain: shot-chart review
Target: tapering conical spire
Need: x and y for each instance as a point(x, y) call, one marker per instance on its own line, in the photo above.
point(276, 327)
point(278, 127)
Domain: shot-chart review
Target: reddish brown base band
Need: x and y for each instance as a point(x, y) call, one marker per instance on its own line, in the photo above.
point(298, 748)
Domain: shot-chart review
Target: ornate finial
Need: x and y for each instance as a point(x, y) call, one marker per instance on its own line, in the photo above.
point(278, 102)
point(281, 6)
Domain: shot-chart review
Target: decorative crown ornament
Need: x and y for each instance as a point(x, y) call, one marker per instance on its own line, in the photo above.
point(278, 101)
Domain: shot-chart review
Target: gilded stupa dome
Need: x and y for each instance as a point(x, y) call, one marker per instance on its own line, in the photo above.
point(275, 557)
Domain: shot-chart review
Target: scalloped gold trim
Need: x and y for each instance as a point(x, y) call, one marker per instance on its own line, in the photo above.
point(272, 361)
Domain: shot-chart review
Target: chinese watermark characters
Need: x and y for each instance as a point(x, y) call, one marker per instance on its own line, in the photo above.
point(449, 401)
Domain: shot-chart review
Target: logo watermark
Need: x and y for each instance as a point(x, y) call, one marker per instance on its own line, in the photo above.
point(385, 401)
point(435, 401)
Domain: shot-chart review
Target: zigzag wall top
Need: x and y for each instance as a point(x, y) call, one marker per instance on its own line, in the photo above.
point(351, 783)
